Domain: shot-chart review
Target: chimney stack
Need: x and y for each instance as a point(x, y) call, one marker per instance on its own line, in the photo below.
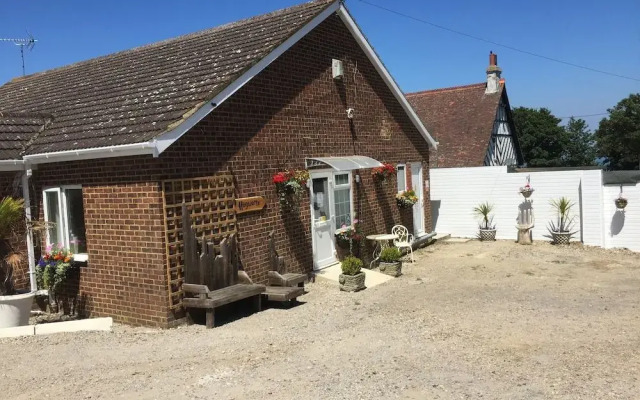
point(493, 74)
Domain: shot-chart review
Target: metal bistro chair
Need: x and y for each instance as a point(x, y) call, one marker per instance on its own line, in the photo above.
point(404, 238)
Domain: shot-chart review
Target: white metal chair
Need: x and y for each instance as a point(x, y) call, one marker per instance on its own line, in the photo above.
point(404, 238)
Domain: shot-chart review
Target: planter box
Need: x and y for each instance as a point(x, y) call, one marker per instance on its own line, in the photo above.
point(352, 283)
point(561, 237)
point(487, 235)
point(391, 268)
point(15, 310)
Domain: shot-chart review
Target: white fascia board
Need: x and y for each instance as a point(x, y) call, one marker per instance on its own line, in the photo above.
point(382, 70)
point(166, 139)
point(92, 153)
point(11, 165)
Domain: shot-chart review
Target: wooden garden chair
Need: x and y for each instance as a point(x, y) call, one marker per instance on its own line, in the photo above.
point(211, 280)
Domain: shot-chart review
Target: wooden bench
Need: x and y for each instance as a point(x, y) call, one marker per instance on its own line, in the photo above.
point(278, 275)
point(211, 280)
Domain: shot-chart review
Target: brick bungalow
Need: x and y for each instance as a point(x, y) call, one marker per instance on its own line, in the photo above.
point(95, 146)
point(472, 123)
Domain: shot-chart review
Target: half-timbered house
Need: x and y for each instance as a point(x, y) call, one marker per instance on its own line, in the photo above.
point(472, 123)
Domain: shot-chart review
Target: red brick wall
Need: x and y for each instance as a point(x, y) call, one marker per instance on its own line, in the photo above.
point(125, 276)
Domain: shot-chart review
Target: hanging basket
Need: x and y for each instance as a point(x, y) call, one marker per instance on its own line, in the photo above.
point(621, 203)
point(526, 192)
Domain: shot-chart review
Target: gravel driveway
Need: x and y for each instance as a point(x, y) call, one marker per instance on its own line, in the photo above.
point(468, 320)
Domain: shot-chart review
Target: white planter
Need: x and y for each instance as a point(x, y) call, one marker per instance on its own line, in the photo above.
point(15, 310)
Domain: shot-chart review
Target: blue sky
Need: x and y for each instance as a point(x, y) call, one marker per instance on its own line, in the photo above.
point(601, 35)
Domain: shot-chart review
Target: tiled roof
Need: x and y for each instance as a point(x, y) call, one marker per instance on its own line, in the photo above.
point(461, 119)
point(16, 130)
point(135, 95)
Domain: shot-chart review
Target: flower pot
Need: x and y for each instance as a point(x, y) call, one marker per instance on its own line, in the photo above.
point(526, 193)
point(391, 268)
point(487, 235)
point(561, 237)
point(352, 283)
point(15, 310)
point(621, 203)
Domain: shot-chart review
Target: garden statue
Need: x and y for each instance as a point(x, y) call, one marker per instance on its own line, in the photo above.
point(526, 219)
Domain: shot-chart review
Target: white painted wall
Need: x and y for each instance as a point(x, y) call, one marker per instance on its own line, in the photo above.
point(456, 191)
point(622, 228)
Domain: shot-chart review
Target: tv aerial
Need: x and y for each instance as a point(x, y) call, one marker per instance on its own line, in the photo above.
point(28, 43)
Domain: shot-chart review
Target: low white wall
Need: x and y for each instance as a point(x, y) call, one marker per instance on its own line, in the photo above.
point(622, 228)
point(456, 191)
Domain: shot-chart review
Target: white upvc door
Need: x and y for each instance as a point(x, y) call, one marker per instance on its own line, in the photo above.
point(331, 207)
point(418, 208)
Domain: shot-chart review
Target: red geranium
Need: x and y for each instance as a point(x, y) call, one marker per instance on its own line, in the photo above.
point(280, 177)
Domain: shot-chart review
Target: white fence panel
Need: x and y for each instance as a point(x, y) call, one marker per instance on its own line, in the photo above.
point(456, 191)
point(622, 228)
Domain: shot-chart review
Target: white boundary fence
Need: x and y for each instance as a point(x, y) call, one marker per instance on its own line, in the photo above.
point(456, 191)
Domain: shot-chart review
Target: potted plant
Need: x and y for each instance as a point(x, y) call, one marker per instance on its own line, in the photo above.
point(621, 202)
point(290, 186)
point(527, 190)
point(561, 229)
point(381, 174)
point(487, 229)
point(15, 308)
point(352, 277)
point(53, 271)
point(389, 262)
point(349, 236)
point(406, 199)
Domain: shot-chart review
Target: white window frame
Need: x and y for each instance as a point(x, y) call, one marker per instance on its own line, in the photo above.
point(63, 232)
point(347, 185)
point(404, 172)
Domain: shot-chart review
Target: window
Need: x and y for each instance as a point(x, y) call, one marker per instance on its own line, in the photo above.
point(63, 207)
point(342, 199)
point(402, 178)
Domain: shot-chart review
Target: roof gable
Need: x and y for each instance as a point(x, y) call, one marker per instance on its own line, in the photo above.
point(461, 119)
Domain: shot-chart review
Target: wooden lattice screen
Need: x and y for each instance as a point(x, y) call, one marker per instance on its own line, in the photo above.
point(210, 202)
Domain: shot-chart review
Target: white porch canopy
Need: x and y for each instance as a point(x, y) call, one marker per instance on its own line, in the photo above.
point(346, 163)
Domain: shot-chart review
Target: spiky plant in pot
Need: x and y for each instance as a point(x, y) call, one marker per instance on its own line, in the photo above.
point(486, 226)
point(561, 229)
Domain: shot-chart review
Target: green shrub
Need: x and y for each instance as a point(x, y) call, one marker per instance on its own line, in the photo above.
point(351, 265)
point(390, 255)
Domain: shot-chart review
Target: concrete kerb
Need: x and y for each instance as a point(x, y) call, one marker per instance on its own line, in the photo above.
point(91, 324)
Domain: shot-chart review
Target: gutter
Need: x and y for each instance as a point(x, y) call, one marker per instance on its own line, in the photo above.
point(11, 165)
point(123, 150)
point(27, 212)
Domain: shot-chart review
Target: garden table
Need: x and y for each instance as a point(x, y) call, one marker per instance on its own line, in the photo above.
point(382, 242)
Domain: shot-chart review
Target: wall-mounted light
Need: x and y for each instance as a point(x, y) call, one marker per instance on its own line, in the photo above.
point(350, 112)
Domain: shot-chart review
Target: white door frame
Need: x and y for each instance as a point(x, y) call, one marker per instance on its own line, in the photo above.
point(418, 187)
point(330, 175)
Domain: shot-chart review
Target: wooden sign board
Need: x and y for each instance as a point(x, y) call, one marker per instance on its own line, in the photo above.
point(247, 204)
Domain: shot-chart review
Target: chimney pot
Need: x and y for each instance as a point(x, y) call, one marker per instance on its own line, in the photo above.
point(493, 59)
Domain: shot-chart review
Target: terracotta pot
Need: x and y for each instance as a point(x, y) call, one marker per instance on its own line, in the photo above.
point(391, 268)
point(487, 235)
point(352, 283)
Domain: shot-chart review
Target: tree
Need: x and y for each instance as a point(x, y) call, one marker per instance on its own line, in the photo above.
point(580, 151)
point(618, 136)
point(542, 140)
